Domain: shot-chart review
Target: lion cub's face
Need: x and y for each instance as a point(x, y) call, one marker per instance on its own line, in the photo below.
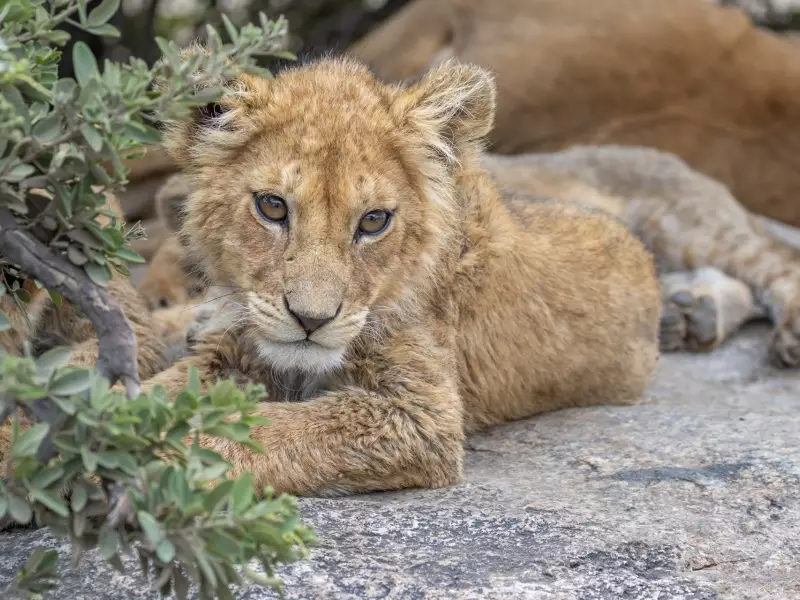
point(321, 197)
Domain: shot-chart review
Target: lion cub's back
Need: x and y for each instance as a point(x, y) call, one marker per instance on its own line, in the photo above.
point(559, 306)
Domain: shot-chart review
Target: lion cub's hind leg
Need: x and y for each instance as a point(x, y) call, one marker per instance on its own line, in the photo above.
point(702, 308)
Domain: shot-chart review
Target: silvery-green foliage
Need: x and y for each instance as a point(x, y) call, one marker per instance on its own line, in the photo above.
point(139, 481)
point(111, 473)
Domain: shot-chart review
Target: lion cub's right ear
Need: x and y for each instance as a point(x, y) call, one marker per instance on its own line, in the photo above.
point(211, 131)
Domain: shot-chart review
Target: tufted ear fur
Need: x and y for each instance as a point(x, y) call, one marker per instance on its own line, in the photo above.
point(452, 109)
point(210, 131)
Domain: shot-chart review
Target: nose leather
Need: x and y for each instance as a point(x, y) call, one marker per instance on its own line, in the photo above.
point(309, 323)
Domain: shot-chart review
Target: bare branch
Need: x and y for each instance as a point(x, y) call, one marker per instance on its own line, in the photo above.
point(116, 359)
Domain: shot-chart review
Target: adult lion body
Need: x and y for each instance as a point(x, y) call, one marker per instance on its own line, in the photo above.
point(687, 77)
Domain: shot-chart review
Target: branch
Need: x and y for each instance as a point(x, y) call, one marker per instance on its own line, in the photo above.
point(116, 356)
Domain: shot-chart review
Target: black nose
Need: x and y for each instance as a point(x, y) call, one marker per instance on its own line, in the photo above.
point(309, 323)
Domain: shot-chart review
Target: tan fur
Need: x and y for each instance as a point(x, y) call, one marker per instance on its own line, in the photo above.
point(468, 311)
point(687, 77)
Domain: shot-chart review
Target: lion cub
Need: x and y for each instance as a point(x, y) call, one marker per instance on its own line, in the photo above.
point(377, 283)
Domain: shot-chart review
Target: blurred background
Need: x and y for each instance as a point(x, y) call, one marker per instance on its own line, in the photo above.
point(716, 82)
point(316, 26)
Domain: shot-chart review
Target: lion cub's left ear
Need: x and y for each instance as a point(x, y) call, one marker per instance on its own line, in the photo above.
point(211, 132)
point(451, 108)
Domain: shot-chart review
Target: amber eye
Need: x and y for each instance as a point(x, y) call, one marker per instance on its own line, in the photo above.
point(374, 222)
point(271, 207)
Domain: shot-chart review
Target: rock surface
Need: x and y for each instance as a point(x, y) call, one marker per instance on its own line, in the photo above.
point(694, 493)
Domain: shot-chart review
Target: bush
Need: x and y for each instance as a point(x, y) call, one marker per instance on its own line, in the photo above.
point(135, 472)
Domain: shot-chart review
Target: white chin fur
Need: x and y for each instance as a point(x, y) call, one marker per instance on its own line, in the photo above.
point(300, 356)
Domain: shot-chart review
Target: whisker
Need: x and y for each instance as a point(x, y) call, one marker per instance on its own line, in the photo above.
point(225, 285)
point(207, 302)
point(237, 322)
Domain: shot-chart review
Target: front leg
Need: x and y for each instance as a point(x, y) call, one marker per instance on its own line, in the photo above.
point(355, 440)
point(394, 421)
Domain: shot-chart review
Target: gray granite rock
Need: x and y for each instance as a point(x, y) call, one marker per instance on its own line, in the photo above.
point(692, 494)
point(767, 12)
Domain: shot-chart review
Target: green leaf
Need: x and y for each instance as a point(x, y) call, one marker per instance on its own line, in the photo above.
point(100, 387)
point(260, 578)
point(4, 322)
point(92, 137)
point(99, 274)
point(216, 498)
point(22, 295)
point(79, 498)
point(58, 37)
point(85, 238)
point(213, 472)
point(3, 506)
point(117, 460)
point(17, 101)
point(82, 11)
point(89, 459)
point(56, 298)
point(165, 551)
point(34, 560)
point(48, 563)
point(142, 133)
point(230, 28)
point(51, 501)
point(47, 476)
point(66, 443)
point(102, 13)
point(242, 493)
point(64, 90)
point(48, 129)
point(208, 572)
point(65, 404)
point(150, 527)
point(129, 255)
point(71, 383)
point(106, 30)
point(224, 544)
point(29, 442)
point(193, 386)
point(19, 509)
point(18, 173)
point(84, 63)
point(54, 358)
